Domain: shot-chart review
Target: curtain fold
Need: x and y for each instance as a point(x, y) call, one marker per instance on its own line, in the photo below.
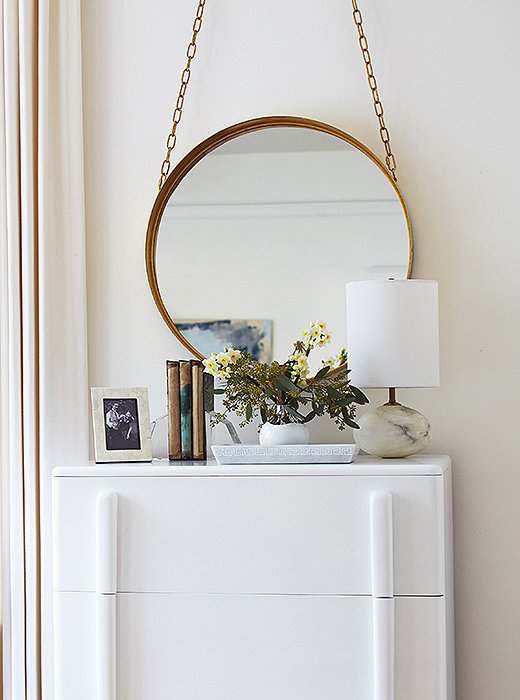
point(43, 366)
point(11, 358)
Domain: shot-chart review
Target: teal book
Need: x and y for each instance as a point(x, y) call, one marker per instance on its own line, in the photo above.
point(185, 409)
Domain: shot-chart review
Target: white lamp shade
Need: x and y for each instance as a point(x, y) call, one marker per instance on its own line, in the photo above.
point(393, 333)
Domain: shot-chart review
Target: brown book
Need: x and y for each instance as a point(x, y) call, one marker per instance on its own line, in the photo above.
point(174, 411)
point(197, 404)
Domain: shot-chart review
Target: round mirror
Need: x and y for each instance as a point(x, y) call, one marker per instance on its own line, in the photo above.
point(257, 230)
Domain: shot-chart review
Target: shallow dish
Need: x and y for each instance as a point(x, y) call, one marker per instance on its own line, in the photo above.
point(285, 454)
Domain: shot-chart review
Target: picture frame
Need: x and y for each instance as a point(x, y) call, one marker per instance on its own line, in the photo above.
point(121, 424)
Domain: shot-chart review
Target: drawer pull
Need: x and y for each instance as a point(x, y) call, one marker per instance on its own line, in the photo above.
point(383, 614)
point(106, 648)
point(384, 647)
point(106, 542)
point(381, 544)
point(106, 586)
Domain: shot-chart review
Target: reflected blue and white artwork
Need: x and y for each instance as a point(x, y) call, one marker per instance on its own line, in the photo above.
point(213, 335)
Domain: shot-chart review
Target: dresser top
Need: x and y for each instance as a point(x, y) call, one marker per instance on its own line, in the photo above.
point(365, 465)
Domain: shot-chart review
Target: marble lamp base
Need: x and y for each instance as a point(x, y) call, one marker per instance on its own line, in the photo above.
point(393, 431)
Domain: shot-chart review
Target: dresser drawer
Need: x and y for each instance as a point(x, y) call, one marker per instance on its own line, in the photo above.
point(250, 534)
point(232, 647)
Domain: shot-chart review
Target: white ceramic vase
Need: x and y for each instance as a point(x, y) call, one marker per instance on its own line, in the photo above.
point(284, 434)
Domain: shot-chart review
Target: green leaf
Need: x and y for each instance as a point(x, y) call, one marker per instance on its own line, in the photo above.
point(360, 396)
point(253, 380)
point(309, 416)
point(331, 391)
point(351, 423)
point(219, 391)
point(283, 382)
point(323, 371)
point(268, 390)
point(249, 412)
point(294, 413)
point(346, 401)
point(263, 415)
point(348, 420)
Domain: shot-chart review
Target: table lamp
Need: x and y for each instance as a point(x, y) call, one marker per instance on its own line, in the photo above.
point(393, 342)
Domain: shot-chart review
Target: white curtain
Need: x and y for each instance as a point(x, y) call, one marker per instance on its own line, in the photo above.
point(43, 368)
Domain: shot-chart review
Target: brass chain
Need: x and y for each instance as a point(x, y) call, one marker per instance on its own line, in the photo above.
point(378, 107)
point(185, 79)
point(186, 74)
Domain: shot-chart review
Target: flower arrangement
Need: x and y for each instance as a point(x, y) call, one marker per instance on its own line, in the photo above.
point(284, 393)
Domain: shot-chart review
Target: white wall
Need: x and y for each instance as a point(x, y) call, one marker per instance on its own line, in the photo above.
point(447, 73)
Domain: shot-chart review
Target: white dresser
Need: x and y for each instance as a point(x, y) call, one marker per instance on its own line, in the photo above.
point(301, 582)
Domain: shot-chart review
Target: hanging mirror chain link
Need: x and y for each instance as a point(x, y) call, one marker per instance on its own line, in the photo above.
point(378, 107)
point(186, 74)
point(185, 79)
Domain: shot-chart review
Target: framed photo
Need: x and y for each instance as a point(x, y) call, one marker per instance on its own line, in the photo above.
point(121, 421)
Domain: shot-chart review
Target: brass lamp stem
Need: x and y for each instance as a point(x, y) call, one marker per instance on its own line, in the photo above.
point(391, 397)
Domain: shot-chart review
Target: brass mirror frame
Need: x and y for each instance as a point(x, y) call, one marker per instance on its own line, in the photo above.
point(210, 144)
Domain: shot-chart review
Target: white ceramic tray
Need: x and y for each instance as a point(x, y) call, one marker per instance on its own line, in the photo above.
point(285, 454)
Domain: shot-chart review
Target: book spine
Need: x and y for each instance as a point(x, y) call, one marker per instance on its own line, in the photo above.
point(174, 412)
point(209, 393)
point(197, 402)
point(185, 408)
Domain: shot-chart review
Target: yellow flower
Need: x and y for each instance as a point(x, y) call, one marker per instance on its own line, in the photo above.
point(233, 354)
point(324, 339)
point(210, 366)
point(301, 361)
point(222, 359)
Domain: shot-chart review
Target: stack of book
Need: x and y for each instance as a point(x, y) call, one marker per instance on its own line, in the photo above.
point(186, 414)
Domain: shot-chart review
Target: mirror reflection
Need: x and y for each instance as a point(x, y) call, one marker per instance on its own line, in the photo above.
point(261, 235)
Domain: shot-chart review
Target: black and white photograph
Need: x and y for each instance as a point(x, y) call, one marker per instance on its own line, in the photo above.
point(121, 424)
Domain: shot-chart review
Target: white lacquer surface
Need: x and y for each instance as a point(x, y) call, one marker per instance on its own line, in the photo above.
point(382, 543)
point(365, 465)
point(383, 647)
point(295, 582)
point(106, 542)
point(383, 611)
point(219, 647)
point(243, 534)
point(106, 587)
